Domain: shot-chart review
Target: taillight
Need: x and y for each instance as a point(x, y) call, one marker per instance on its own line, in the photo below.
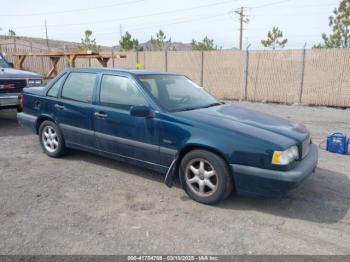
point(20, 102)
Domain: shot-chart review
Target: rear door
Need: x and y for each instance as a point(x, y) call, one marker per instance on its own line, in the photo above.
point(75, 109)
point(118, 132)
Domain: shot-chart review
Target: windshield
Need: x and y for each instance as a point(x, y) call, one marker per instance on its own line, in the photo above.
point(177, 93)
point(3, 63)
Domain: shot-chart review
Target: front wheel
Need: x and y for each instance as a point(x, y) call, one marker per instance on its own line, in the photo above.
point(51, 139)
point(205, 177)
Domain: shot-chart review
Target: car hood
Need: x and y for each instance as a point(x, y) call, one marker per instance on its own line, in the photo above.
point(15, 73)
point(237, 114)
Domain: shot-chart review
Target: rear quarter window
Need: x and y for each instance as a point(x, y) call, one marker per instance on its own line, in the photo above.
point(53, 91)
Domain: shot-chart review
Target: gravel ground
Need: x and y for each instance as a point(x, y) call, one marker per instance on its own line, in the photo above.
point(86, 204)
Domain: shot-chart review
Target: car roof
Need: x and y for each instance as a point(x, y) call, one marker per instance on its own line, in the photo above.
point(117, 70)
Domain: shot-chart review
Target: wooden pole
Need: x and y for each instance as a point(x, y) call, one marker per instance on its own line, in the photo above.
point(241, 29)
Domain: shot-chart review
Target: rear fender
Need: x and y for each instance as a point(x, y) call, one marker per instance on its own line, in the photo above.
point(43, 118)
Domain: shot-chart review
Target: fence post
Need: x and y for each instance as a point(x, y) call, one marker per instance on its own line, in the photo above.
point(113, 56)
point(202, 69)
point(14, 43)
point(302, 74)
point(166, 60)
point(42, 65)
point(65, 57)
point(245, 76)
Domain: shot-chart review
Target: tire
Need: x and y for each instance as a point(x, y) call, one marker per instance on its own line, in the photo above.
point(55, 145)
point(205, 177)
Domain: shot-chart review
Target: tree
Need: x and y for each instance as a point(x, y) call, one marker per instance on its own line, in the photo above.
point(88, 44)
point(158, 43)
point(128, 43)
point(274, 39)
point(204, 45)
point(340, 24)
point(12, 33)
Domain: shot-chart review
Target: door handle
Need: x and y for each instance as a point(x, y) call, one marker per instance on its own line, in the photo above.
point(58, 106)
point(101, 114)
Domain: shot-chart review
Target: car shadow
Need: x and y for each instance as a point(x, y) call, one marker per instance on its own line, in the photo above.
point(322, 198)
point(77, 155)
point(9, 125)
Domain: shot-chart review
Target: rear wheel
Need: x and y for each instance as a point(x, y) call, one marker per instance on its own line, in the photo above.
point(51, 139)
point(205, 177)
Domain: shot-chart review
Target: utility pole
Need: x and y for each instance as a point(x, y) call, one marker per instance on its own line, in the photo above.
point(242, 21)
point(47, 37)
point(241, 29)
point(121, 31)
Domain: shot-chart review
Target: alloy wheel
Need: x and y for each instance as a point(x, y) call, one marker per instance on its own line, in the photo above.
point(50, 139)
point(201, 177)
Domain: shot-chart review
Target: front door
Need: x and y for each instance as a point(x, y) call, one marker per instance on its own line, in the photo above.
point(75, 109)
point(118, 132)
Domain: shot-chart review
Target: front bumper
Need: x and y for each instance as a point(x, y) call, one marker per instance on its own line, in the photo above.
point(9, 100)
point(263, 182)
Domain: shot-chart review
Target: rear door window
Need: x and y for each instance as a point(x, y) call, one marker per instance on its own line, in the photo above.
point(79, 87)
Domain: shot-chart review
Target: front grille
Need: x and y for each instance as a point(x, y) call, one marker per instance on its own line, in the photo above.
point(12, 85)
point(305, 147)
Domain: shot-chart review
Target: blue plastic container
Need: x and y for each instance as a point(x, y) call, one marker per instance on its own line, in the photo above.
point(338, 143)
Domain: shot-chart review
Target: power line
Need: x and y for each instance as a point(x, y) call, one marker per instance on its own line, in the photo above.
point(141, 16)
point(303, 6)
point(211, 17)
point(181, 21)
point(270, 4)
point(277, 15)
point(74, 10)
point(293, 15)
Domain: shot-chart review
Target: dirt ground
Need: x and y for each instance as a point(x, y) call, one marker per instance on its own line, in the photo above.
point(86, 204)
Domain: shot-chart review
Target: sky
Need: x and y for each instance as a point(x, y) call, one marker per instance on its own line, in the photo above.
point(302, 21)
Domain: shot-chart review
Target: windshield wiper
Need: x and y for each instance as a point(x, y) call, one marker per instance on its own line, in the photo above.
point(198, 107)
point(185, 109)
point(213, 104)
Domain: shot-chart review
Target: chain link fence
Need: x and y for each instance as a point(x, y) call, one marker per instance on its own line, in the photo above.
point(312, 77)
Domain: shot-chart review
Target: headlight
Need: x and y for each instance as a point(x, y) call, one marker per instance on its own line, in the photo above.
point(285, 157)
point(35, 82)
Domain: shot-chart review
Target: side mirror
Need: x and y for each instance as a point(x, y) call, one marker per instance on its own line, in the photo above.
point(141, 111)
point(11, 65)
